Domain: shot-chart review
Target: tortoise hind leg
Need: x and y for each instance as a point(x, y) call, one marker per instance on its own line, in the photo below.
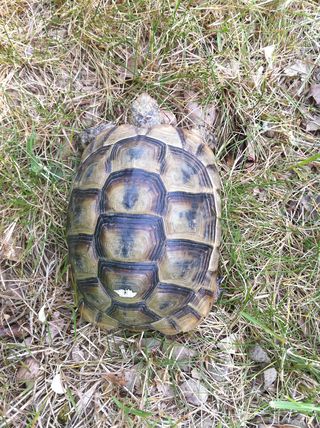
point(88, 136)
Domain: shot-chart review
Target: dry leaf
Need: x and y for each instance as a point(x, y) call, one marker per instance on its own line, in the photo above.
point(151, 343)
point(165, 389)
point(313, 124)
point(126, 378)
point(259, 355)
point(298, 69)
point(277, 426)
point(133, 378)
point(77, 354)
point(42, 314)
point(116, 378)
point(56, 384)
point(229, 344)
point(180, 353)
point(8, 248)
point(200, 116)
point(195, 373)
point(258, 76)
point(268, 53)
point(28, 51)
point(315, 92)
point(56, 326)
point(29, 370)
point(260, 194)
point(269, 377)
point(13, 330)
point(194, 392)
point(85, 397)
point(219, 369)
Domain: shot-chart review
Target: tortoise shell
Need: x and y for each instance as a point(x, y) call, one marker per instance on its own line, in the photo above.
point(144, 229)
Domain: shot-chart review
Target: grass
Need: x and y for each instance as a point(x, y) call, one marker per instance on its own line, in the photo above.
point(67, 65)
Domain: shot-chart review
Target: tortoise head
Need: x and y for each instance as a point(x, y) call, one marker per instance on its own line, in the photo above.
point(145, 111)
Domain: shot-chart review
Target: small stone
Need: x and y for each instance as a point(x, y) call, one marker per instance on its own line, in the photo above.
point(179, 352)
point(195, 374)
point(269, 377)
point(218, 372)
point(151, 343)
point(194, 392)
point(229, 344)
point(166, 390)
point(133, 378)
point(29, 370)
point(259, 355)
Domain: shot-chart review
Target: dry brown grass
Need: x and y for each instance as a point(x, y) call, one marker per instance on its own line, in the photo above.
point(66, 65)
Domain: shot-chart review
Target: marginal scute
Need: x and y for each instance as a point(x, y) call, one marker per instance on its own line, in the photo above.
point(144, 229)
point(102, 132)
point(96, 317)
point(120, 133)
point(193, 141)
point(203, 301)
point(187, 318)
point(132, 314)
point(166, 326)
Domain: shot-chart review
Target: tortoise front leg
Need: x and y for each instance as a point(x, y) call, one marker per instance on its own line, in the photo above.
point(202, 118)
point(87, 136)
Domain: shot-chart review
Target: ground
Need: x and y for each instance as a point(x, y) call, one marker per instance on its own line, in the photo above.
point(67, 65)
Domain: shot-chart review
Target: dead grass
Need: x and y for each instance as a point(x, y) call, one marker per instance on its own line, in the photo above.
point(66, 65)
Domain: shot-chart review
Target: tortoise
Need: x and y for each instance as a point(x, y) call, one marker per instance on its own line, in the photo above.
point(144, 224)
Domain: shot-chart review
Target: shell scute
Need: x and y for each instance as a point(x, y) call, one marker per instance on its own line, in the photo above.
point(129, 237)
point(189, 215)
point(184, 262)
point(128, 282)
point(133, 191)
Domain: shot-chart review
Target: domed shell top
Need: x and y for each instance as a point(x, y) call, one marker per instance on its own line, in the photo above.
point(144, 229)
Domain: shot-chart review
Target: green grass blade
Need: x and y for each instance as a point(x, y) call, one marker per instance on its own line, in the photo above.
point(131, 410)
point(258, 323)
point(294, 406)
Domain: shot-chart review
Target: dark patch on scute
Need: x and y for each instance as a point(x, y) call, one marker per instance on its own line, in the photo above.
point(212, 167)
point(187, 174)
point(127, 242)
point(135, 153)
point(191, 215)
point(130, 197)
